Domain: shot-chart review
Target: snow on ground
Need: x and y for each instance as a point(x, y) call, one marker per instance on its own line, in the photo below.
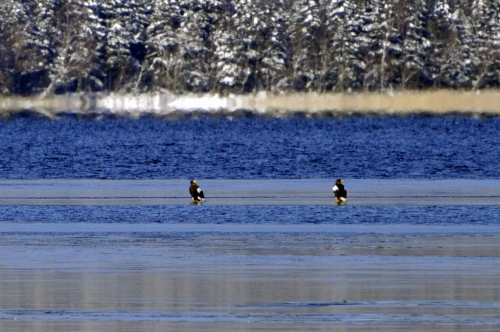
point(193, 102)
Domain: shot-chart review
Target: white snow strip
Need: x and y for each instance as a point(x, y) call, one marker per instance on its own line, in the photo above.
point(204, 102)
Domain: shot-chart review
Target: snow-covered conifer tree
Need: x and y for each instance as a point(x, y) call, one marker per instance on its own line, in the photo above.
point(447, 54)
point(7, 60)
point(164, 57)
point(180, 43)
point(230, 68)
point(25, 37)
point(414, 54)
point(484, 19)
point(76, 65)
point(379, 43)
point(226, 46)
point(347, 61)
point(125, 49)
point(261, 26)
point(198, 32)
point(193, 36)
point(310, 53)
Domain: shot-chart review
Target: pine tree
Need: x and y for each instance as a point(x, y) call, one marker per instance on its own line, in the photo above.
point(125, 50)
point(24, 37)
point(7, 58)
point(378, 43)
point(76, 65)
point(193, 47)
point(415, 46)
point(310, 49)
point(347, 61)
point(223, 46)
point(490, 70)
point(447, 48)
point(198, 34)
point(229, 69)
point(261, 26)
point(164, 57)
point(484, 19)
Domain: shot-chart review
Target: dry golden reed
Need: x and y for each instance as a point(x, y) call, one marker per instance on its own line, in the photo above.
point(439, 102)
point(409, 102)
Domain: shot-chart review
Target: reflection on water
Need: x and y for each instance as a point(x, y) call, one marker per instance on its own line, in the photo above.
point(248, 281)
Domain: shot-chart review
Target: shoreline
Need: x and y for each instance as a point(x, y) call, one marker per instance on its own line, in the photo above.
point(439, 102)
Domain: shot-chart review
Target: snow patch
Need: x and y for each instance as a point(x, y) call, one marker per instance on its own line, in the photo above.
point(194, 102)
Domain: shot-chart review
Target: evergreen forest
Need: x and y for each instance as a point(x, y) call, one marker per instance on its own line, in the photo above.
point(247, 46)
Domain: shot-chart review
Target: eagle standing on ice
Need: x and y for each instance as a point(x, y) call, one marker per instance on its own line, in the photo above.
point(339, 191)
point(196, 192)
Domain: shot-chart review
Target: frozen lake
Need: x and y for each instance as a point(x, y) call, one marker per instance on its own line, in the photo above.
point(93, 238)
point(301, 192)
point(157, 277)
point(89, 255)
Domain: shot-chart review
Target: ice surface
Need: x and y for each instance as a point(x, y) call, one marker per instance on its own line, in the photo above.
point(133, 276)
point(72, 277)
point(301, 192)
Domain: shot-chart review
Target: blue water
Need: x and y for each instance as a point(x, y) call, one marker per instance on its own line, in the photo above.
point(253, 147)
point(278, 215)
point(419, 146)
point(271, 267)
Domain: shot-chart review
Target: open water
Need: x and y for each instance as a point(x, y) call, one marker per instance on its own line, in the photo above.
point(253, 147)
point(98, 232)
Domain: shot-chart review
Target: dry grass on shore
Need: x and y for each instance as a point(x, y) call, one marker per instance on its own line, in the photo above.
point(439, 102)
point(434, 102)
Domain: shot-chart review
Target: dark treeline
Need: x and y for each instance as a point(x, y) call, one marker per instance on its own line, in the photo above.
point(242, 46)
